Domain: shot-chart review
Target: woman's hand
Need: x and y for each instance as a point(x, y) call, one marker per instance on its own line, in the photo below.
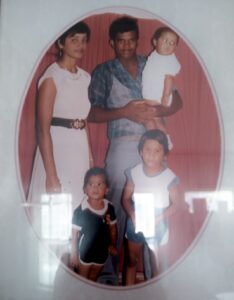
point(53, 185)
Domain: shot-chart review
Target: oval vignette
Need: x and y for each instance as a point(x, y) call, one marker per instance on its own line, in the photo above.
point(195, 130)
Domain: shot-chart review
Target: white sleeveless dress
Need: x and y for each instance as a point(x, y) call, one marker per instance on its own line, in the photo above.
point(70, 146)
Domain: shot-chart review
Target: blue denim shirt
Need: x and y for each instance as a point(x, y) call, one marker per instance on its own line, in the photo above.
point(113, 87)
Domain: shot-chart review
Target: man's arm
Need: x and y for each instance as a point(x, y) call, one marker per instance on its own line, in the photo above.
point(99, 89)
point(136, 110)
point(176, 105)
point(98, 114)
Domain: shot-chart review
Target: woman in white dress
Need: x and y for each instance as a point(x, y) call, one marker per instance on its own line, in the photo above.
point(63, 155)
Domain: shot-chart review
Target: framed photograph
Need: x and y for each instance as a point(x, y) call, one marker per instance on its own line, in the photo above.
point(112, 185)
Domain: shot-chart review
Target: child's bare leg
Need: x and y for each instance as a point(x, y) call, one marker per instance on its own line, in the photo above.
point(152, 102)
point(160, 124)
point(156, 123)
point(134, 252)
point(94, 272)
point(84, 270)
point(163, 261)
point(150, 124)
point(153, 261)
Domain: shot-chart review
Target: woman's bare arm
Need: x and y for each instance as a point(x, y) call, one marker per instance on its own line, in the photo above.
point(46, 98)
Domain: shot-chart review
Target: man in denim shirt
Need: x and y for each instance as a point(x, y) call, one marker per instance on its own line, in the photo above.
point(115, 96)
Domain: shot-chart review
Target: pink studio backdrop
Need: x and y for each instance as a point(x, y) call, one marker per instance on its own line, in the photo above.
point(195, 130)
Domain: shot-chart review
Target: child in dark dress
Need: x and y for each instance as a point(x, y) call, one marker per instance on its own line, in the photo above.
point(94, 230)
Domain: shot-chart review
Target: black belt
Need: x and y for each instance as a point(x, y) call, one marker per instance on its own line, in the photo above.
point(68, 123)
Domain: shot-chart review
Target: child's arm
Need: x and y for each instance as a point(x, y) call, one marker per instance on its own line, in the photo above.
point(127, 200)
point(112, 223)
point(167, 90)
point(113, 235)
point(177, 202)
point(74, 248)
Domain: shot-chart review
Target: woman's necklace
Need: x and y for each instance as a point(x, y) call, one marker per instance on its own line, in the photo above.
point(71, 75)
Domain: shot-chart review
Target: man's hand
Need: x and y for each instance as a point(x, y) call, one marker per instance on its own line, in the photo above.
point(139, 111)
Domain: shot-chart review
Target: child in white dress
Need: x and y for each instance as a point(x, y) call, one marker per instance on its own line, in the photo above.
point(150, 197)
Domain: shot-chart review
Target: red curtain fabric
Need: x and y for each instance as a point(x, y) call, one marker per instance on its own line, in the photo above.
point(195, 129)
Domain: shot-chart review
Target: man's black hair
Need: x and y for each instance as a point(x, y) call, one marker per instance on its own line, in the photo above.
point(123, 24)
